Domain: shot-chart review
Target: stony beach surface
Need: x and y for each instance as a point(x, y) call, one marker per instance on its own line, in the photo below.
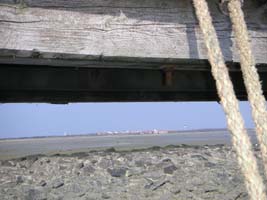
point(174, 172)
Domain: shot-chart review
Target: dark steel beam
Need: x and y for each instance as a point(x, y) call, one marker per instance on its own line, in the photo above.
point(26, 83)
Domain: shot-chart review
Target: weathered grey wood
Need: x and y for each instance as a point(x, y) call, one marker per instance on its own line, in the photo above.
point(41, 31)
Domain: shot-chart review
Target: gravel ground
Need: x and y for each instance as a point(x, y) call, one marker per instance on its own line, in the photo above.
point(183, 172)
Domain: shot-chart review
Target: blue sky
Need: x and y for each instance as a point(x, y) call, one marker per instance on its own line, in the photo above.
point(20, 120)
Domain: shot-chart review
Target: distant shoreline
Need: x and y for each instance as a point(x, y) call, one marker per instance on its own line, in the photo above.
point(118, 134)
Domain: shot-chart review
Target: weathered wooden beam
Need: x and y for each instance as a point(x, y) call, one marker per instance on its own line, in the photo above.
point(61, 32)
point(117, 50)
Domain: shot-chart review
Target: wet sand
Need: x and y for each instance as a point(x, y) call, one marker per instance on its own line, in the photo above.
point(14, 148)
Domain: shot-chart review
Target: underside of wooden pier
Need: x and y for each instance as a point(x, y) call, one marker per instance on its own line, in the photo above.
point(118, 50)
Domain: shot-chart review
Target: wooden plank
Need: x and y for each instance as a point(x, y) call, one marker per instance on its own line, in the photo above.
point(55, 32)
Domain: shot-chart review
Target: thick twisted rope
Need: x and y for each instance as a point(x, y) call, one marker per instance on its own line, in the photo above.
point(229, 102)
point(250, 75)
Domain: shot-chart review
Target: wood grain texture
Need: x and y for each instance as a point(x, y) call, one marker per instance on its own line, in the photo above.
point(124, 30)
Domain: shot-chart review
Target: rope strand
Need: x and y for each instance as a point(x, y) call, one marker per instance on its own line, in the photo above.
point(250, 75)
point(229, 102)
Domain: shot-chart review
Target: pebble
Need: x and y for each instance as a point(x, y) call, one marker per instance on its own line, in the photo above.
point(32, 193)
point(80, 165)
point(117, 172)
point(57, 183)
point(19, 179)
point(88, 169)
point(8, 163)
point(170, 169)
point(42, 183)
point(210, 164)
point(105, 196)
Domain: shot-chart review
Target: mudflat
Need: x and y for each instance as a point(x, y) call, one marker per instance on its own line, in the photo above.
point(15, 148)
